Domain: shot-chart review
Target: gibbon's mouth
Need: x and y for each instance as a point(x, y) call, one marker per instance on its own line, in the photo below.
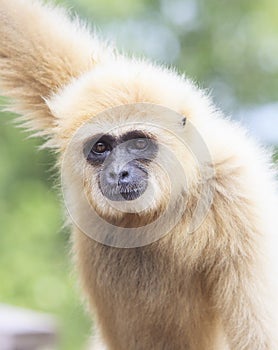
point(124, 193)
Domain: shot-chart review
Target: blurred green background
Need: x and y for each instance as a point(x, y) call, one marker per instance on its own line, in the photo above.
point(228, 47)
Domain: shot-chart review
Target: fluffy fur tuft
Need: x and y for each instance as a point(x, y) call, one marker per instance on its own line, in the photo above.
point(213, 289)
point(42, 49)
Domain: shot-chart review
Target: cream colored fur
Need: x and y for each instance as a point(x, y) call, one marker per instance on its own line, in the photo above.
point(211, 290)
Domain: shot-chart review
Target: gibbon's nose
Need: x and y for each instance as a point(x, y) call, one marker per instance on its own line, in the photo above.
point(125, 183)
point(123, 177)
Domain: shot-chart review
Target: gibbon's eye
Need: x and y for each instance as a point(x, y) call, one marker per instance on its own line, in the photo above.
point(142, 145)
point(139, 144)
point(101, 147)
point(95, 151)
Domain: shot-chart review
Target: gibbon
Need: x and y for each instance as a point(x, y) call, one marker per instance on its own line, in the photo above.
point(172, 206)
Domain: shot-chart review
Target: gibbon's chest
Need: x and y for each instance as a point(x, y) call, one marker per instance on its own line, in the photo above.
point(144, 273)
point(148, 290)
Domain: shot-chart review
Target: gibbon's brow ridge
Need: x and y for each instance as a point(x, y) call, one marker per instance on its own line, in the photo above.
point(136, 134)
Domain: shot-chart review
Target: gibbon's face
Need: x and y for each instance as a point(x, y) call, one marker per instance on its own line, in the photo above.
point(121, 163)
point(124, 162)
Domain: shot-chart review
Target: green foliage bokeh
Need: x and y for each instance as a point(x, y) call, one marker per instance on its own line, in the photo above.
point(232, 49)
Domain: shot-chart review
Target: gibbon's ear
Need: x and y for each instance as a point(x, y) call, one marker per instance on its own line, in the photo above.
point(41, 50)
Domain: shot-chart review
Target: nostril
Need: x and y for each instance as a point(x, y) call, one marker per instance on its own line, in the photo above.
point(124, 177)
point(123, 174)
point(112, 175)
point(111, 178)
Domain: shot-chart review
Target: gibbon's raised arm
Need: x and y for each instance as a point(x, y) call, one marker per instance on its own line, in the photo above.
point(130, 133)
point(42, 49)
